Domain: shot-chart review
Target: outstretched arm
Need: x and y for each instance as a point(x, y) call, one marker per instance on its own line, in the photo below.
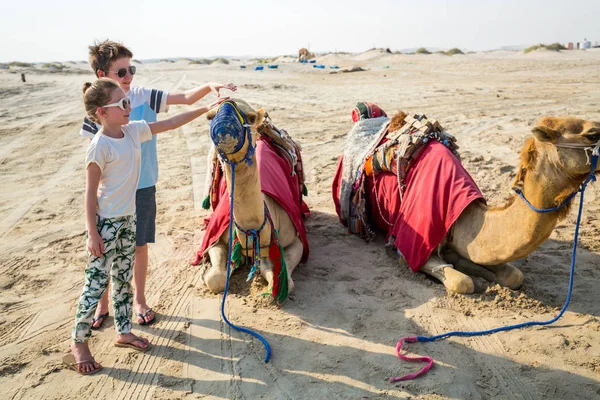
point(193, 95)
point(181, 119)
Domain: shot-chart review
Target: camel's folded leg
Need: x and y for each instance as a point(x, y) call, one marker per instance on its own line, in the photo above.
point(469, 267)
point(292, 257)
point(506, 275)
point(503, 274)
point(216, 276)
point(453, 280)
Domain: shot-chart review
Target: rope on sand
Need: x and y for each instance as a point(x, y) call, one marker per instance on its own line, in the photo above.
point(429, 360)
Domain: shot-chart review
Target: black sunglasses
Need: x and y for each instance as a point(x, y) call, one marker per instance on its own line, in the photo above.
point(121, 72)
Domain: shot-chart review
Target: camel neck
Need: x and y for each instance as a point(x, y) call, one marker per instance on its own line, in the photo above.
point(491, 236)
point(248, 200)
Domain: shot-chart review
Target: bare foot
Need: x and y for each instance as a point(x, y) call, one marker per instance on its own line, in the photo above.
point(83, 356)
point(132, 341)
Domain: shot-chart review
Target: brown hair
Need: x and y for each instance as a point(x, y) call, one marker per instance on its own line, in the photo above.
point(96, 95)
point(103, 53)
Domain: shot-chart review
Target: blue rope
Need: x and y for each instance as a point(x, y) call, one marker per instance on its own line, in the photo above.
point(545, 210)
point(238, 328)
point(591, 177)
point(219, 125)
point(254, 236)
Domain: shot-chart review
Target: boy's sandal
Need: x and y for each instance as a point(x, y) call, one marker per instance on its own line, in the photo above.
point(100, 318)
point(70, 362)
point(143, 317)
point(130, 344)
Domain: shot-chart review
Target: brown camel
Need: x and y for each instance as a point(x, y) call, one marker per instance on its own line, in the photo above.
point(483, 240)
point(305, 55)
point(249, 211)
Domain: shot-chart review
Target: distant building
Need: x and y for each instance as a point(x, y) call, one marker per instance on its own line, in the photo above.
point(586, 44)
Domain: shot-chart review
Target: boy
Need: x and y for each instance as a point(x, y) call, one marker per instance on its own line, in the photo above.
point(113, 60)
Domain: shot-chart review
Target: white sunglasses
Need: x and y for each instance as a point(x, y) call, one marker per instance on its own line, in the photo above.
point(123, 104)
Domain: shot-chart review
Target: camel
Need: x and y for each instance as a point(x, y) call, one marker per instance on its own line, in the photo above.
point(484, 240)
point(249, 206)
point(305, 55)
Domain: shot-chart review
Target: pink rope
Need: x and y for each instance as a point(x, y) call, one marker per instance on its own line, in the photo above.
point(428, 360)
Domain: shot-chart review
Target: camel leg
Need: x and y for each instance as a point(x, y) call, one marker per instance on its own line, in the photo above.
point(453, 280)
point(503, 274)
point(469, 267)
point(292, 257)
point(216, 276)
point(506, 275)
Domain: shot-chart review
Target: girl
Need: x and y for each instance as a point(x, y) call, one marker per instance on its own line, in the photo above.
point(112, 174)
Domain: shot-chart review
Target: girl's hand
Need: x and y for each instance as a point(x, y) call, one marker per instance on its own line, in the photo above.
point(216, 103)
point(95, 244)
point(216, 87)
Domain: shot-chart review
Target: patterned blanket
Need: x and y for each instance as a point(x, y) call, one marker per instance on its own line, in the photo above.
point(362, 139)
point(436, 190)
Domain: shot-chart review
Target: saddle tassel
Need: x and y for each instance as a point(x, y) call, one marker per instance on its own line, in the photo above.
point(280, 278)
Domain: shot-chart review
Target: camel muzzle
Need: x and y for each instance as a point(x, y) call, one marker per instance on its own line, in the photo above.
point(228, 129)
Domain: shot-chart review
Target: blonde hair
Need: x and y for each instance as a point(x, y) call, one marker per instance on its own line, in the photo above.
point(96, 95)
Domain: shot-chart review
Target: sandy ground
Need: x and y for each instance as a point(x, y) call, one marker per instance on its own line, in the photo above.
point(335, 337)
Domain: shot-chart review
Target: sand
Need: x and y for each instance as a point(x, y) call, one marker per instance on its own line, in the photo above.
point(335, 337)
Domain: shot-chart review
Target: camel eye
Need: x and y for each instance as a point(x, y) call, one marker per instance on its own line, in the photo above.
point(593, 137)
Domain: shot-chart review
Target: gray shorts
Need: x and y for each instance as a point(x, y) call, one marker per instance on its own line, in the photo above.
point(145, 210)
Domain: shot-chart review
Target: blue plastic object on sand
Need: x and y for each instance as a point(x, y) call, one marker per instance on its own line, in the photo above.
point(334, 67)
point(259, 68)
point(273, 66)
point(312, 61)
point(242, 66)
point(320, 66)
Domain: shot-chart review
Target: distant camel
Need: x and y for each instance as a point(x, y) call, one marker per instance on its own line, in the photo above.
point(305, 55)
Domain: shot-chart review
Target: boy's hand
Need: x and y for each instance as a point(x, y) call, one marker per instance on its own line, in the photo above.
point(216, 87)
point(95, 244)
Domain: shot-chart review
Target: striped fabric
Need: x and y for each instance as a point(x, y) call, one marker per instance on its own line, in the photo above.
point(89, 126)
point(366, 110)
point(155, 100)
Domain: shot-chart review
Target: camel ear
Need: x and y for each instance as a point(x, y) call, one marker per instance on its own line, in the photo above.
point(545, 134)
point(260, 115)
point(256, 116)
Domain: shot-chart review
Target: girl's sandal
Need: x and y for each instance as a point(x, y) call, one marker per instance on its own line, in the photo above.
point(133, 346)
point(70, 362)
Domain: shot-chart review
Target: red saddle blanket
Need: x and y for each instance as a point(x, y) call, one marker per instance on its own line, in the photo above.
point(438, 189)
point(277, 182)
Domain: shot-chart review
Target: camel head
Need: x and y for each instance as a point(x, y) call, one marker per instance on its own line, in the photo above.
point(228, 128)
point(559, 156)
point(563, 140)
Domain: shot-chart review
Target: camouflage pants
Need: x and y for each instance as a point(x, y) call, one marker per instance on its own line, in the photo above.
point(118, 235)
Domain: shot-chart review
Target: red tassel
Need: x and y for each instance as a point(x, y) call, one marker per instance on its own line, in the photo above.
point(275, 257)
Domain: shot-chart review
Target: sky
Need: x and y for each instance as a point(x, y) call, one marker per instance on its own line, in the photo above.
point(60, 30)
